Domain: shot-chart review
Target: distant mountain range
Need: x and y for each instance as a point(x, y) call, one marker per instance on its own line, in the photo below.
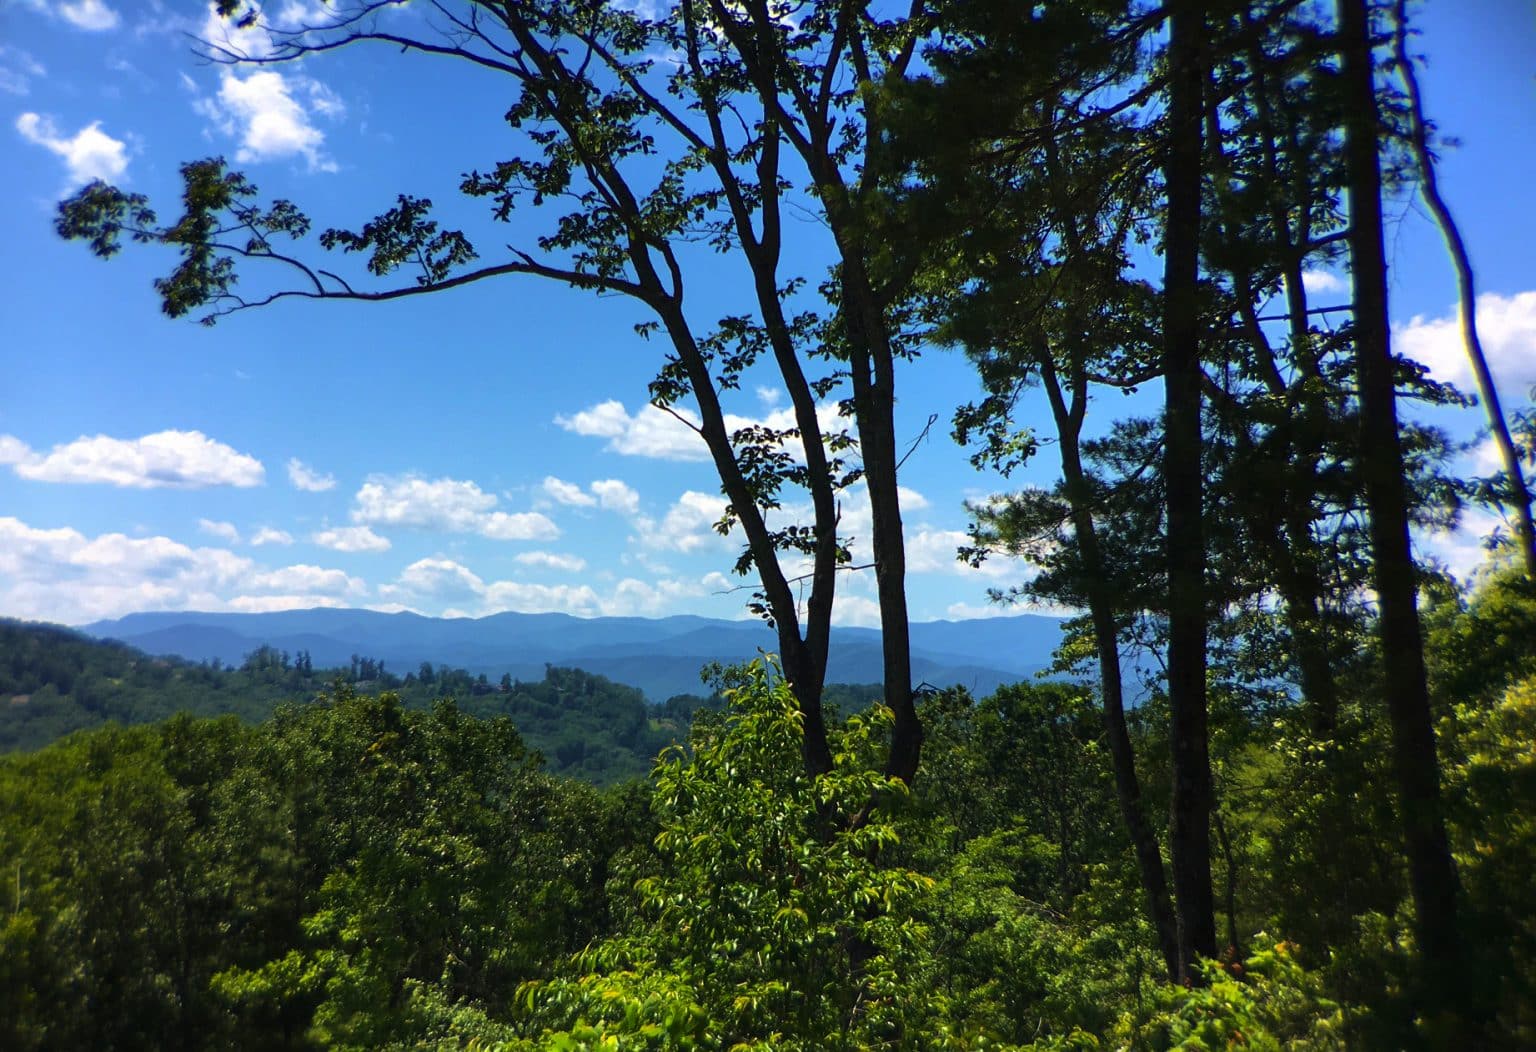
point(661, 656)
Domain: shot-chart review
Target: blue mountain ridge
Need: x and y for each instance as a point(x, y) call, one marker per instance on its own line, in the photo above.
point(661, 656)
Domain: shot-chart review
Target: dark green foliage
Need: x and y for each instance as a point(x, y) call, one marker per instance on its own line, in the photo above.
point(54, 681)
point(199, 883)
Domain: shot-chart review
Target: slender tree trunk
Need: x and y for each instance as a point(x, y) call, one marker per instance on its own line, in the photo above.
point(804, 666)
point(1429, 186)
point(1190, 825)
point(1149, 858)
point(1431, 871)
point(872, 363)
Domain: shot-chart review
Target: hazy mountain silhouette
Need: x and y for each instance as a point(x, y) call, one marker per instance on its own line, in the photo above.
point(661, 656)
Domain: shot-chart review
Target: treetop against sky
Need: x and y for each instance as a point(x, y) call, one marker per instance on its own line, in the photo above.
point(491, 448)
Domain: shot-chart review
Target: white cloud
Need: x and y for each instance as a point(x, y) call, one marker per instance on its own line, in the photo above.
point(62, 575)
point(552, 561)
point(616, 496)
point(268, 535)
point(17, 68)
point(350, 539)
point(1507, 327)
point(307, 478)
point(306, 579)
point(243, 36)
point(14, 451)
point(441, 579)
point(87, 155)
point(568, 493)
point(223, 530)
point(164, 460)
point(519, 526)
point(688, 525)
point(657, 434)
point(649, 433)
point(91, 15)
point(769, 396)
point(263, 604)
point(1323, 282)
point(541, 598)
point(445, 504)
point(438, 581)
point(855, 610)
point(440, 504)
point(1462, 550)
point(270, 113)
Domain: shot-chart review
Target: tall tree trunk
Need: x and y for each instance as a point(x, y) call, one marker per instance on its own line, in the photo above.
point(872, 365)
point(1190, 820)
point(1429, 186)
point(1431, 871)
point(1149, 858)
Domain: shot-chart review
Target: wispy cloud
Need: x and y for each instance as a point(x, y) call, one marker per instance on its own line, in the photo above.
point(93, 16)
point(307, 478)
point(225, 531)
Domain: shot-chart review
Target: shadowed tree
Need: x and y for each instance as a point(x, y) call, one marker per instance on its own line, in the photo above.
point(660, 138)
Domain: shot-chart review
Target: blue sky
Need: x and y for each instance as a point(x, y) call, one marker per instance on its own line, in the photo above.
point(490, 448)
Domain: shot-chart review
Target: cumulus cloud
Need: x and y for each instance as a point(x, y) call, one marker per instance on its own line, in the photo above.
point(1322, 282)
point(648, 433)
point(855, 611)
point(439, 581)
point(552, 561)
point(164, 460)
point(688, 526)
point(88, 154)
point(60, 574)
point(518, 526)
point(223, 530)
point(610, 494)
point(268, 535)
point(307, 478)
point(445, 504)
point(564, 492)
point(350, 539)
point(616, 496)
point(654, 433)
point(308, 580)
point(1507, 326)
point(529, 598)
point(271, 114)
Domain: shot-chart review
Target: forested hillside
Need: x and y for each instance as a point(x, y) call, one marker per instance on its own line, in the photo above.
point(54, 681)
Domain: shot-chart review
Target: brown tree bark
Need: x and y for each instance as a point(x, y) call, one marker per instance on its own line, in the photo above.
point(1190, 819)
point(1416, 766)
